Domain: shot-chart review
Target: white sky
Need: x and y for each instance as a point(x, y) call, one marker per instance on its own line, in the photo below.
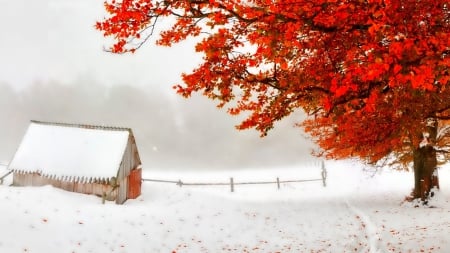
point(56, 40)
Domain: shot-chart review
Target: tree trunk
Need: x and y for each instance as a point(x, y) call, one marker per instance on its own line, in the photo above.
point(425, 162)
point(425, 178)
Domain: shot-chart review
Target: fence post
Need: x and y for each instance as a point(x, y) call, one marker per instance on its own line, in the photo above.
point(232, 184)
point(278, 183)
point(324, 175)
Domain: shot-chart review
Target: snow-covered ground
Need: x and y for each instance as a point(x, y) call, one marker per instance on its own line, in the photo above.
point(356, 212)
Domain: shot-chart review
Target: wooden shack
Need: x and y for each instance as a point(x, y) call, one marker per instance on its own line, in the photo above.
point(98, 160)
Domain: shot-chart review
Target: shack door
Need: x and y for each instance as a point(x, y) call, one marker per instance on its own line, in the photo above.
point(134, 183)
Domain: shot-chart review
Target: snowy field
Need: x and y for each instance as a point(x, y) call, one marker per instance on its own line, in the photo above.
point(356, 212)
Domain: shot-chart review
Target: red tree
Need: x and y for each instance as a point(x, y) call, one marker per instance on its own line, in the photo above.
point(369, 73)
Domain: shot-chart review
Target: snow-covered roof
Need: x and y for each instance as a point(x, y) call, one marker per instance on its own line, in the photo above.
point(61, 150)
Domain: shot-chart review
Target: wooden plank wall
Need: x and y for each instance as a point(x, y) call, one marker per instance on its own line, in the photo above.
point(34, 179)
point(135, 182)
point(124, 171)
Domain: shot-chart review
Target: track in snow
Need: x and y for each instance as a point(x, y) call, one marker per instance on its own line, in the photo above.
point(372, 232)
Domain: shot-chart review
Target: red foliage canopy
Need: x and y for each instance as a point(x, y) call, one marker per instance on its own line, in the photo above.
point(368, 72)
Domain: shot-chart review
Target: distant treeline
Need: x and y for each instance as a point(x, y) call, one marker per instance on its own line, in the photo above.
point(170, 131)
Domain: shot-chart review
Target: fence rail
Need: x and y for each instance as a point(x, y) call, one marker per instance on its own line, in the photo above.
point(232, 183)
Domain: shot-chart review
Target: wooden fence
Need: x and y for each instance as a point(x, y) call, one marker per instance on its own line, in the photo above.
point(232, 183)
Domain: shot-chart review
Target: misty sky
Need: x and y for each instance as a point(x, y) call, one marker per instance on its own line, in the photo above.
point(53, 68)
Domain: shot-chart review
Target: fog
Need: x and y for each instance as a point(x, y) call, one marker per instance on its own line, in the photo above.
point(53, 68)
point(170, 131)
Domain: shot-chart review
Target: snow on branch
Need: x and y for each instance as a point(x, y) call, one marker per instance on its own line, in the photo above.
point(443, 132)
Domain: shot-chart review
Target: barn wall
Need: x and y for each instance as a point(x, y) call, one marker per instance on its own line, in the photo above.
point(122, 191)
point(135, 153)
point(130, 161)
point(54, 182)
point(134, 183)
point(28, 179)
point(22, 179)
point(34, 179)
point(124, 171)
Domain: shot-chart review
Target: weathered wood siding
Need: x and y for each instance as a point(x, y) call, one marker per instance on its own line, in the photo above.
point(22, 179)
point(95, 188)
point(130, 161)
point(135, 182)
